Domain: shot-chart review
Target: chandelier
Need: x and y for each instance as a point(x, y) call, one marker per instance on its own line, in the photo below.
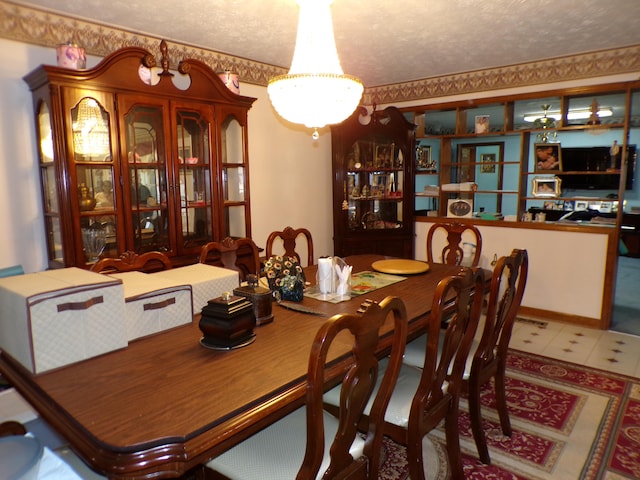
point(315, 92)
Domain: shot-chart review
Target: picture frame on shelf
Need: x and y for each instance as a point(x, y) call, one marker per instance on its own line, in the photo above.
point(384, 156)
point(488, 163)
point(581, 205)
point(460, 208)
point(548, 157)
point(482, 123)
point(550, 205)
point(423, 158)
point(568, 205)
point(546, 187)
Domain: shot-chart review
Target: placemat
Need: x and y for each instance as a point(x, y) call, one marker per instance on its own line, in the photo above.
point(361, 283)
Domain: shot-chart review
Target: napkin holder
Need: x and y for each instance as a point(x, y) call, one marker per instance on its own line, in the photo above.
point(260, 297)
point(227, 322)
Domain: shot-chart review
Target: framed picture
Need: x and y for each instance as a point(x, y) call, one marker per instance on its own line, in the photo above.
point(384, 156)
point(548, 157)
point(581, 205)
point(546, 186)
point(458, 207)
point(379, 185)
point(549, 205)
point(482, 123)
point(423, 157)
point(488, 163)
point(568, 205)
point(605, 207)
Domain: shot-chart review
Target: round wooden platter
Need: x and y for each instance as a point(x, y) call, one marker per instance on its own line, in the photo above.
point(399, 266)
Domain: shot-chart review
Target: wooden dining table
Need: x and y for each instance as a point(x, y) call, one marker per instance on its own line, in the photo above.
point(164, 405)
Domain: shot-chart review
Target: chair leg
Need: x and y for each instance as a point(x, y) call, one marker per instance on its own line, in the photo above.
point(501, 401)
point(414, 457)
point(453, 443)
point(475, 412)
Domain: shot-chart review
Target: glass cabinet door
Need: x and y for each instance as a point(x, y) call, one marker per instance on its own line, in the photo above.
point(194, 165)
point(55, 252)
point(146, 187)
point(234, 179)
point(94, 173)
point(373, 191)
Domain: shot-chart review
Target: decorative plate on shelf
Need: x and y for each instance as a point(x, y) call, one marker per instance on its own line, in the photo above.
point(399, 266)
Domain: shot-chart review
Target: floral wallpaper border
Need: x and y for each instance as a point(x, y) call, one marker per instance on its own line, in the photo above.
point(29, 25)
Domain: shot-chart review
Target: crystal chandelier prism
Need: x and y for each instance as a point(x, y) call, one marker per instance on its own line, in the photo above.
point(315, 92)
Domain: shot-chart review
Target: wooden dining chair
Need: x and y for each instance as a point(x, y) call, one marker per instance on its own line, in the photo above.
point(229, 254)
point(424, 396)
point(130, 261)
point(310, 440)
point(490, 357)
point(453, 251)
point(289, 237)
point(488, 354)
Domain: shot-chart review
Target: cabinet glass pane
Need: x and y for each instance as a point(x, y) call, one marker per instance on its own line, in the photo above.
point(196, 226)
point(45, 134)
point(235, 223)
point(610, 109)
point(233, 181)
point(530, 113)
point(95, 188)
point(49, 186)
point(485, 119)
point(54, 243)
point(90, 129)
point(146, 164)
point(232, 142)
point(440, 122)
point(635, 109)
point(194, 157)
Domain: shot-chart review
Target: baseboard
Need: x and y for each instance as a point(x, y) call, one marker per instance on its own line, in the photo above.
point(540, 314)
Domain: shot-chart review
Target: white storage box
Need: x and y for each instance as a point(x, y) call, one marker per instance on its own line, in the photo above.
point(153, 304)
point(53, 318)
point(207, 282)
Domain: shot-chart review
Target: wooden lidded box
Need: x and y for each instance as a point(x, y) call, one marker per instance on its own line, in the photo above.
point(53, 318)
point(153, 304)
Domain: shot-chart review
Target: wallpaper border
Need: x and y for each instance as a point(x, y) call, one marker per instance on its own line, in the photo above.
point(33, 26)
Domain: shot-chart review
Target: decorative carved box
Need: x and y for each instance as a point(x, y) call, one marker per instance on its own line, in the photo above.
point(227, 322)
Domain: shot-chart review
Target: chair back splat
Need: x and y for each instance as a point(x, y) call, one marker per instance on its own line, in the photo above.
point(490, 359)
point(130, 261)
point(453, 252)
point(289, 236)
point(229, 254)
point(334, 448)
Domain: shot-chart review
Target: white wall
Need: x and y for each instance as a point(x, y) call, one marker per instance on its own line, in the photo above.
point(290, 174)
point(566, 269)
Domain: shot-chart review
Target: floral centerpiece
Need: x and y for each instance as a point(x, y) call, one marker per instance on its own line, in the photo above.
point(285, 277)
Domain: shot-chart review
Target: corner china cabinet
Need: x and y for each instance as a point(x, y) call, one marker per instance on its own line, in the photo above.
point(137, 157)
point(373, 158)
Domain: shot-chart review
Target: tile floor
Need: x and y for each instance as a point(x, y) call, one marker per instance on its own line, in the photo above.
point(606, 350)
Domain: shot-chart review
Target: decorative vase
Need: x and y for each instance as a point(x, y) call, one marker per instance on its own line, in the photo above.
point(70, 55)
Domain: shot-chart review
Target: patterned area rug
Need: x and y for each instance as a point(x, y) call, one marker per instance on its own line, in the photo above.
point(569, 422)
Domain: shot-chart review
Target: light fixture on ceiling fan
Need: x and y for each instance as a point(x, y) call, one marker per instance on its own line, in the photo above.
point(316, 92)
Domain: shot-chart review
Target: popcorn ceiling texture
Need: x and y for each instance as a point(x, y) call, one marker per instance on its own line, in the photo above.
point(401, 50)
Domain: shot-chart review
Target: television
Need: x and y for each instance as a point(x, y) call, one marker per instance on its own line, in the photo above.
point(594, 160)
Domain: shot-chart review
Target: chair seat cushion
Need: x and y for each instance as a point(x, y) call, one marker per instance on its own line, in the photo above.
point(276, 452)
point(415, 350)
point(399, 406)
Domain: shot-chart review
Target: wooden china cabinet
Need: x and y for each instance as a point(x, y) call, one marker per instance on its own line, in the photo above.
point(137, 156)
point(373, 184)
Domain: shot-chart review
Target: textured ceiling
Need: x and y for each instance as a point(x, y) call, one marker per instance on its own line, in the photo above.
point(381, 41)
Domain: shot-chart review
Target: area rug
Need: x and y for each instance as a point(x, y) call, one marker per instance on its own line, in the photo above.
point(569, 422)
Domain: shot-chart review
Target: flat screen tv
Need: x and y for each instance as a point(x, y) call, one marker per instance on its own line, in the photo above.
point(594, 159)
